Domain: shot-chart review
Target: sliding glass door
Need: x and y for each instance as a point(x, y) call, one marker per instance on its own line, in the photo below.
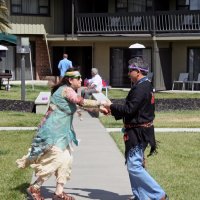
point(119, 58)
point(193, 63)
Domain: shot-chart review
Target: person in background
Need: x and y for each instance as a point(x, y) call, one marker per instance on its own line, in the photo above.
point(138, 114)
point(51, 149)
point(64, 65)
point(94, 84)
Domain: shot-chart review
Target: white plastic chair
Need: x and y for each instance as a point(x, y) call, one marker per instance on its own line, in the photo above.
point(196, 82)
point(183, 77)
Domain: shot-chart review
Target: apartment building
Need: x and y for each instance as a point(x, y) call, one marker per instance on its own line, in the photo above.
point(98, 33)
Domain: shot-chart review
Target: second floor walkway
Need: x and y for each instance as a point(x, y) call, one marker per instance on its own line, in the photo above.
point(133, 23)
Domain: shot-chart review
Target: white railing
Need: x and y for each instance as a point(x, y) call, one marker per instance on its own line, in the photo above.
point(168, 21)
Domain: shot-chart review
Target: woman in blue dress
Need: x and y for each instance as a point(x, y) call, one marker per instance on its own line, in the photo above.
point(51, 149)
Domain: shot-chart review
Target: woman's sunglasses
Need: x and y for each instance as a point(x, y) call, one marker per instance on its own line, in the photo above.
point(78, 78)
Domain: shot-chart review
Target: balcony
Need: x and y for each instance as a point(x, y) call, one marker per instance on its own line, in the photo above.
point(136, 23)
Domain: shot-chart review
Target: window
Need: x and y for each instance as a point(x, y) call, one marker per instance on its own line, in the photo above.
point(133, 5)
point(30, 7)
point(183, 4)
point(193, 63)
point(194, 5)
point(188, 5)
point(136, 5)
point(121, 5)
point(119, 58)
point(149, 5)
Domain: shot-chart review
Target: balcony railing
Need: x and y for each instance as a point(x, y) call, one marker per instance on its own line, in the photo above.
point(130, 23)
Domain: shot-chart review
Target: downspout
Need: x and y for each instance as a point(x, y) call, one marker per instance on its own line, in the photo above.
point(45, 37)
point(72, 18)
point(93, 49)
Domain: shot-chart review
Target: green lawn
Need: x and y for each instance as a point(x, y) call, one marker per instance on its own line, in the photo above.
point(164, 119)
point(15, 92)
point(19, 119)
point(118, 94)
point(13, 182)
point(176, 166)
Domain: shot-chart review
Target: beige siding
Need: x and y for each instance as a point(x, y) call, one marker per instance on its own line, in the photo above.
point(23, 21)
point(101, 59)
point(179, 56)
point(52, 24)
point(179, 59)
point(102, 56)
point(28, 29)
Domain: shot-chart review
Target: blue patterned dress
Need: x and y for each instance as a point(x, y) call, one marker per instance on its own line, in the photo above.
point(56, 127)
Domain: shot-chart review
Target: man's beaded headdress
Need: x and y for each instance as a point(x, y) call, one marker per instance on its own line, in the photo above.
point(135, 67)
point(137, 63)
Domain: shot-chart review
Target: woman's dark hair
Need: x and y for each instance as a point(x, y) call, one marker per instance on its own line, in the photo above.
point(64, 80)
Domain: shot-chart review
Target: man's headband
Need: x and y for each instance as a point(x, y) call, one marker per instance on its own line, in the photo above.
point(134, 67)
point(73, 74)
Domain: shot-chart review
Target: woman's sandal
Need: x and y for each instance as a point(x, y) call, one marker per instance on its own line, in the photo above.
point(63, 196)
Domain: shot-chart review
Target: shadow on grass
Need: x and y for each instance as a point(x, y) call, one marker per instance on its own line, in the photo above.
point(22, 188)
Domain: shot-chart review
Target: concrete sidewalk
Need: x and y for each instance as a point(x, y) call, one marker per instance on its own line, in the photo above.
point(98, 169)
point(109, 130)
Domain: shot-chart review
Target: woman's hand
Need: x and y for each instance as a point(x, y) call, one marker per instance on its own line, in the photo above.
point(103, 110)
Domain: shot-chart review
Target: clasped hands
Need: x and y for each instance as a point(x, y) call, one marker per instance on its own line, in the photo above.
point(105, 107)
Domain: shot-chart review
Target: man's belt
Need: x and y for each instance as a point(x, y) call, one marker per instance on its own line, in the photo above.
point(146, 125)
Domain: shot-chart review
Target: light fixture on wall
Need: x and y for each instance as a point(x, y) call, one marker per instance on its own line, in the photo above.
point(3, 48)
point(137, 46)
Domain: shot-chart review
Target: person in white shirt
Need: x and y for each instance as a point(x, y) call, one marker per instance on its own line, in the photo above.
point(94, 84)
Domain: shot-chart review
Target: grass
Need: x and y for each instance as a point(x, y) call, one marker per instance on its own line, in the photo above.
point(15, 92)
point(165, 119)
point(176, 166)
point(13, 182)
point(19, 119)
point(119, 93)
point(165, 95)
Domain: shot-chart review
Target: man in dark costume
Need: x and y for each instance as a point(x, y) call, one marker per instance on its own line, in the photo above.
point(138, 114)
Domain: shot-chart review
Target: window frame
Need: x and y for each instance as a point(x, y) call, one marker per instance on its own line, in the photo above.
point(12, 5)
point(193, 68)
point(125, 8)
point(180, 6)
point(122, 8)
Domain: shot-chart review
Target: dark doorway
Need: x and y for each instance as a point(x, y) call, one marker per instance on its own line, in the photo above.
point(67, 10)
point(119, 58)
point(80, 56)
point(165, 59)
point(161, 5)
point(91, 6)
point(193, 60)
